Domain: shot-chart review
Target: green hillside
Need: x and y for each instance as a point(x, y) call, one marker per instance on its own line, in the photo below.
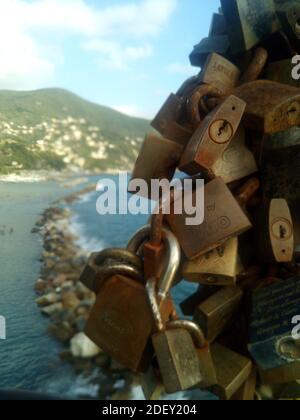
point(55, 129)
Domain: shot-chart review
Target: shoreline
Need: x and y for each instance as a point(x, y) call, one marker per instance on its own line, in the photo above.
point(67, 303)
point(42, 176)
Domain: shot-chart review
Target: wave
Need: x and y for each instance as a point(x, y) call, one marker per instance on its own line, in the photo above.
point(86, 243)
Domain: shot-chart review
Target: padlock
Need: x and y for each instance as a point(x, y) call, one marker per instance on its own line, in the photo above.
point(275, 232)
point(212, 137)
point(167, 155)
point(151, 382)
point(218, 25)
point(216, 268)
point(218, 312)
point(271, 106)
point(237, 161)
point(223, 219)
point(214, 44)
point(248, 389)
point(189, 305)
point(101, 265)
point(289, 17)
point(220, 72)
point(281, 375)
point(273, 308)
point(249, 22)
point(175, 351)
point(232, 369)
point(207, 368)
point(169, 112)
point(178, 133)
point(121, 321)
point(280, 166)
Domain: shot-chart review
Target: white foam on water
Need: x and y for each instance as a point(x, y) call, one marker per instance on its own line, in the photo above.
point(87, 244)
point(30, 178)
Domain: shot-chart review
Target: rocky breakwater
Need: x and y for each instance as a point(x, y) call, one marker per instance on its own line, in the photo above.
point(67, 304)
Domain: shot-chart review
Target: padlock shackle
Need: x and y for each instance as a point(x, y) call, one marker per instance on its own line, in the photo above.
point(194, 329)
point(256, 66)
point(173, 257)
point(151, 293)
point(120, 255)
point(117, 269)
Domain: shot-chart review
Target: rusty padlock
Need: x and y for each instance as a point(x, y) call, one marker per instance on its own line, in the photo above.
point(271, 107)
point(121, 321)
point(101, 265)
point(212, 137)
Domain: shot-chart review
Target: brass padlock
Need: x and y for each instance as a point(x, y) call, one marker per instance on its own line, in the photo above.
point(220, 72)
point(167, 155)
point(214, 44)
point(189, 305)
point(207, 368)
point(249, 22)
point(223, 219)
point(218, 312)
point(275, 232)
point(248, 389)
point(271, 344)
point(216, 268)
point(151, 383)
point(271, 106)
point(212, 137)
point(174, 349)
point(237, 161)
point(232, 369)
point(101, 265)
point(121, 321)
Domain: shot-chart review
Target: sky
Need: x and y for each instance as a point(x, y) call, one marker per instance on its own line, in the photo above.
point(126, 54)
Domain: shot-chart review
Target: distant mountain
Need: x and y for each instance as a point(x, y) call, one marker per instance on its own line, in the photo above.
point(55, 129)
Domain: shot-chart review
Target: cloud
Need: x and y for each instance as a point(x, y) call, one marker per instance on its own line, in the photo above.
point(183, 69)
point(117, 35)
point(113, 56)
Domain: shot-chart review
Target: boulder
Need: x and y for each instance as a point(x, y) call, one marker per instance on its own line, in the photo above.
point(48, 299)
point(52, 309)
point(70, 300)
point(83, 347)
